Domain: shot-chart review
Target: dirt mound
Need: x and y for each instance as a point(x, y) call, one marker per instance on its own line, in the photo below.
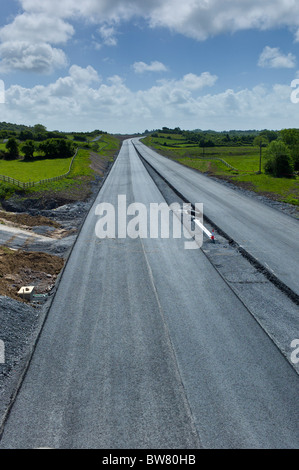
point(40, 202)
point(21, 268)
point(26, 220)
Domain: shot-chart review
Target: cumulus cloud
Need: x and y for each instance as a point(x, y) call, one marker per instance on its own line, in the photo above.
point(191, 81)
point(194, 18)
point(82, 101)
point(86, 75)
point(108, 35)
point(37, 27)
point(272, 57)
point(27, 43)
point(155, 66)
point(51, 21)
point(24, 56)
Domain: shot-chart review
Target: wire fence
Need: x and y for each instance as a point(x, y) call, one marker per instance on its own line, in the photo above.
point(206, 157)
point(30, 184)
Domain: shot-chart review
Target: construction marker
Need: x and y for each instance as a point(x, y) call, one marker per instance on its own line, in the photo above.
point(213, 236)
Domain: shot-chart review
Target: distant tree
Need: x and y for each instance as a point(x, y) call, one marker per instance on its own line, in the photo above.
point(278, 159)
point(3, 134)
point(269, 135)
point(39, 129)
point(55, 135)
point(64, 148)
point(177, 130)
point(13, 148)
point(40, 136)
point(57, 148)
point(48, 147)
point(28, 149)
point(291, 138)
point(25, 135)
point(79, 137)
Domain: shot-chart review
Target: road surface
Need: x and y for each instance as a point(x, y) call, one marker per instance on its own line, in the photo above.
point(268, 235)
point(146, 347)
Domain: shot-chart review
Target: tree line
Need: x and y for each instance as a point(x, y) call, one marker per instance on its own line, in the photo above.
point(50, 148)
point(210, 138)
point(281, 147)
point(39, 133)
point(37, 139)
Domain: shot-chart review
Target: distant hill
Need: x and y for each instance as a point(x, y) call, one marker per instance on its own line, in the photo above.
point(8, 126)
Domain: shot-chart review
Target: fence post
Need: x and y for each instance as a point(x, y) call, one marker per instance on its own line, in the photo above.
point(34, 183)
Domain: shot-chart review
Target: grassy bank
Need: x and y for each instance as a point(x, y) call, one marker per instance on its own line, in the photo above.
point(76, 184)
point(244, 160)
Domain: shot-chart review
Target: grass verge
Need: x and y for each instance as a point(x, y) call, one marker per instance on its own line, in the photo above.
point(244, 159)
point(75, 186)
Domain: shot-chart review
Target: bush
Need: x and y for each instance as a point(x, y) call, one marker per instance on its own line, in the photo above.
point(28, 149)
point(13, 149)
point(278, 160)
point(57, 148)
point(6, 190)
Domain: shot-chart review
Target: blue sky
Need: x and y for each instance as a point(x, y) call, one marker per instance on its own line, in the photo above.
point(129, 65)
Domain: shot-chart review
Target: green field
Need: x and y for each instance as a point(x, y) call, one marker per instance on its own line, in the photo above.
point(80, 174)
point(244, 160)
point(107, 144)
point(77, 181)
point(41, 169)
point(35, 170)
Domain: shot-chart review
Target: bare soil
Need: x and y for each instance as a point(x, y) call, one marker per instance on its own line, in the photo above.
point(52, 214)
point(35, 223)
point(23, 220)
point(22, 268)
point(99, 164)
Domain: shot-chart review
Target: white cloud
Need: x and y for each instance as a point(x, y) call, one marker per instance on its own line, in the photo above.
point(24, 56)
point(194, 18)
point(26, 43)
point(108, 33)
point(81, 75)
point(49, 22)
point(191, 81)
point(35, 28)
point(155, 66)
point(81, 101)
point(272, 57)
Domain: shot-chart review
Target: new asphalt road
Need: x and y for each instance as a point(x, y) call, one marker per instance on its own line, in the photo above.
point(145, 346)
point(268, 235)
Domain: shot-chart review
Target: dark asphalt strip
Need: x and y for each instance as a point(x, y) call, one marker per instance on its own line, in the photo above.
point(253, 260)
